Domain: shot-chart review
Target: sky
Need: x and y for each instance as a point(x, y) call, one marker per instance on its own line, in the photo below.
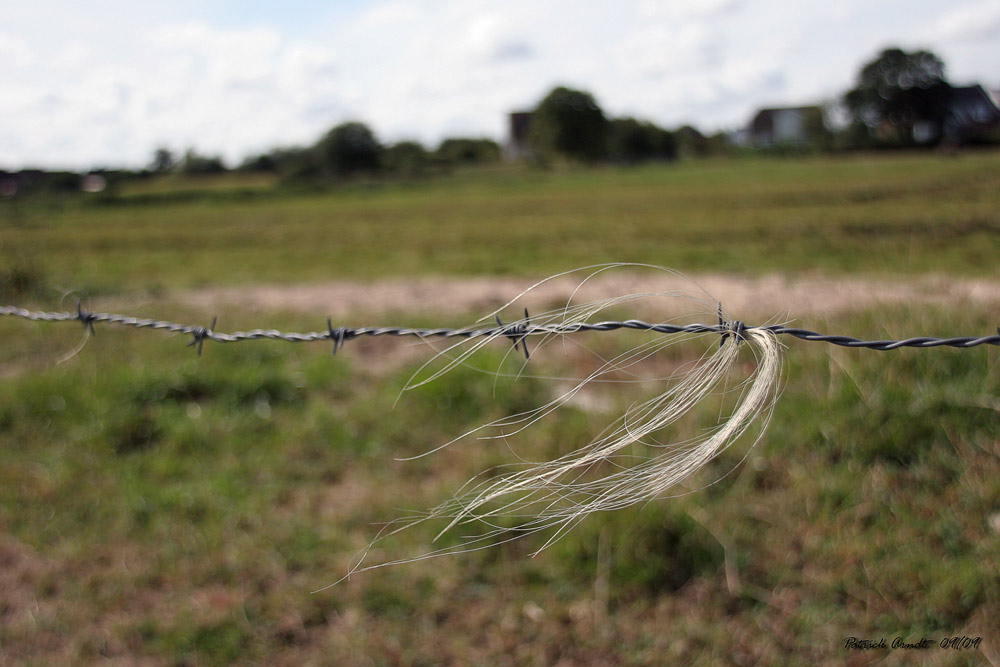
point(103, 83)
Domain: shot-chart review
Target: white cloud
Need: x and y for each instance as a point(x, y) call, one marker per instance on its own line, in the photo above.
point(107, 81)
point(185, 84)
point(979, 22)
point(685, 9)
point(390, 13)
point(16, 50)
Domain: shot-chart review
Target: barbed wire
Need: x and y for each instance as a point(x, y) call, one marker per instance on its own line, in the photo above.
point(515, 332)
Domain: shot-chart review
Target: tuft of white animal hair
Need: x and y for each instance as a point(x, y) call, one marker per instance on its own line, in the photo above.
point(626, 464)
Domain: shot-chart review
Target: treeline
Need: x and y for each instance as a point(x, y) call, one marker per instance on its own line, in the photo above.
point(566, 124)
point(348, 150)
point(570, 125)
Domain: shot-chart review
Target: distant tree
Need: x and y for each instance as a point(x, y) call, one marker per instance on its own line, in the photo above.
point(406, 158)
point(263, 163)
point(194, 163)
point(33, 181)
point(290, 164)
point(348, 149)
point(631, 141)
point(897, 92)
point(455, 151)
point(665, 144)
point(720, 143)
point(691, 142)
point(570, 123)
point(163, 160)
point(297, 165)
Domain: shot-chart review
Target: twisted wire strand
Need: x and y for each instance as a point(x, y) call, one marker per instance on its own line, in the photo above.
point(515, 331)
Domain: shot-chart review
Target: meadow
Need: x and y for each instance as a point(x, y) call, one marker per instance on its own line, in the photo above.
point(158, 507)
point(859, 215)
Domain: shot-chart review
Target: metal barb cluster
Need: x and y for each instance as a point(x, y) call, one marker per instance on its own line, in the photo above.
point(734, 328)
point(86, 317)
point(337, 335)
point(517, 333)
point(200, 334)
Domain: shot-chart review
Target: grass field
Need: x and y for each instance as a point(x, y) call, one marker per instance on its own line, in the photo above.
point(162, 508)
point(862, 215)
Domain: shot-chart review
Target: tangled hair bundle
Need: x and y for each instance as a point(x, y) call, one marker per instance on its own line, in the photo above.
point(627, 463)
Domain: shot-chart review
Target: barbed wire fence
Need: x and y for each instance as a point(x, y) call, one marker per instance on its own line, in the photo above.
point(516, 332)
point(555, 495)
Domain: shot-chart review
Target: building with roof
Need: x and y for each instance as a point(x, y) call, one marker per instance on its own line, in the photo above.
point(973, 115)
point(785, 126)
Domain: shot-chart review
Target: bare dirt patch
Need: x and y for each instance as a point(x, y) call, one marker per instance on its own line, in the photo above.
point(746, 298)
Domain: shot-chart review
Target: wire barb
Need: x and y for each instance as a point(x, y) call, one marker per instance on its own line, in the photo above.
point(736, 328)
point(336, 335)
point(200, 334)
point(86, 317)
point(516, 333)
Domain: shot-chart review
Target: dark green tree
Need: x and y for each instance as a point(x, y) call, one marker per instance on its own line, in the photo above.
point(631, 141)
point(194, 163)
point(163, 160)
point(570, 123)
point(896, 91)
point(719, 144)
point(664, 144)
point(348, 149)
point(691, 142)
point(457, 151)
point(297, 165)
point(406, 158)
point(262, 163)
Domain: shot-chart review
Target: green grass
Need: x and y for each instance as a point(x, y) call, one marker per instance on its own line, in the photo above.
point(162, 507)
point(869, 215)
point(181, 509)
